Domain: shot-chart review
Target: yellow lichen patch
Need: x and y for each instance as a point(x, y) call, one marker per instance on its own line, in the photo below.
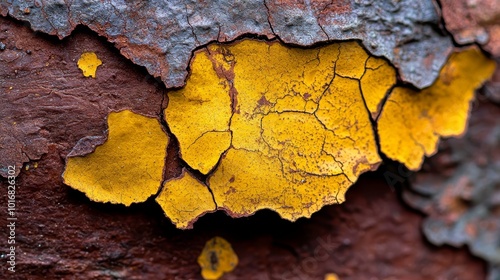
point(411, 122)
point(128, 167)
point(199, 114)
point(217, 258)
point(185, 199)
point(249, 181)
point(88, 63)
point(300, 133)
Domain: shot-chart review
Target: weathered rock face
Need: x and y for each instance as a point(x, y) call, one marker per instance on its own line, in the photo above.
point(474, 21)
point(161, 35)
point(460, 190)
point(61, 234)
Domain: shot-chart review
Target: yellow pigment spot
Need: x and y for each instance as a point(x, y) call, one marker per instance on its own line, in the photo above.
point(185, 199)
point(217, 258)
point(128, 167)
point(88, 63)
point(411, 122)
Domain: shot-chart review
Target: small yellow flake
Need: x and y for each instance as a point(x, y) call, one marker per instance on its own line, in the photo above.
point(88, 63)
point(331, 276)
point(185, 199)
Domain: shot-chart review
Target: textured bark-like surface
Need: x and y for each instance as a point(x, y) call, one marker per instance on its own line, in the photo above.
point(46, 99)
point(476, 22)
point(62, 234)
point(161, 35)
point(460, 190)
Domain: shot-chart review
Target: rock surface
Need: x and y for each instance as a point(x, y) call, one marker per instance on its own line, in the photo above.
point(460, 190)
point(61, 234)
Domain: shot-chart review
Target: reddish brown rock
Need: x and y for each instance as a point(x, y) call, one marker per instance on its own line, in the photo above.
point(60, 234)
point(46, 99)
point(63, 235)
point(459, 189)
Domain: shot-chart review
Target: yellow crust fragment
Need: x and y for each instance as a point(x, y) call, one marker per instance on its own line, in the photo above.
point(128, 167)
point(185, 199)
point(217, 258)
point(198, 115)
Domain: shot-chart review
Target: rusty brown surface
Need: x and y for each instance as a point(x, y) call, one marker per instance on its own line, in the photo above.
point(476, 22)
point(60, 234)
point(459, 189)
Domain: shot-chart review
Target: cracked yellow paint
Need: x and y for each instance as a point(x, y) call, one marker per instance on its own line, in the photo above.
point(275, 127)
point(411, 122)
point(185, 199)
point(128, 167)
point(298, 131)
point(217, 258)
point(88, 63)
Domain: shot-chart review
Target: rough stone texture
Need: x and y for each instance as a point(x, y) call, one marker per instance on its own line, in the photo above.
point(492, 87)
point(474, 21)
point(459, 189)
point(63, 235)
point(46, 99)
point(161, 35)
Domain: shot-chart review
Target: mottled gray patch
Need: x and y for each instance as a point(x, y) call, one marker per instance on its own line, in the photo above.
point(161, 35)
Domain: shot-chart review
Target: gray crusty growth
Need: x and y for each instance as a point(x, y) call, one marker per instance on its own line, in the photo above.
point(161, 34)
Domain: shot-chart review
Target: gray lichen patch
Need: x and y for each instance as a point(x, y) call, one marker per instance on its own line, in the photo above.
point(161, 35)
